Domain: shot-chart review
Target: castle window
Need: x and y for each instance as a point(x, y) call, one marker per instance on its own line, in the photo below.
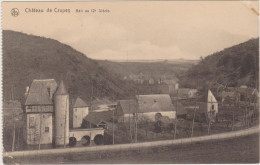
point(46, 129)
point(31, 122)
point(212, 107)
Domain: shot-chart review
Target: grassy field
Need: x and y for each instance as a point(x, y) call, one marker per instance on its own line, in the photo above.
point(239, 150)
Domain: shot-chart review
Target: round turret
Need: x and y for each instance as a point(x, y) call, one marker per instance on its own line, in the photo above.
point(61, 103)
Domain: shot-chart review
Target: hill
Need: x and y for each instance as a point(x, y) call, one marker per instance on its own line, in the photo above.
point(28, 57)
point(234, 66)
point(154, 68)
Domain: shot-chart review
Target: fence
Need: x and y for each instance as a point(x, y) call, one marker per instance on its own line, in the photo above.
point(133, 146)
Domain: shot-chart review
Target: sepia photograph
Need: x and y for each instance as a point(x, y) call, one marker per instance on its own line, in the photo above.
point(130, 82)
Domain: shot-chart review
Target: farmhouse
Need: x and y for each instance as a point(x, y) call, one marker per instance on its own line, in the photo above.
point(150, 106)
point(208, 105)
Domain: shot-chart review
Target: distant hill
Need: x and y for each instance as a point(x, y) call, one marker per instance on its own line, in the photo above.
point(234, 66)
point(153, 68)
point(28, 57)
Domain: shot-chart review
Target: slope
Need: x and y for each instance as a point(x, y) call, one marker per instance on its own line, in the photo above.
point(28, 57)
point(234, 66)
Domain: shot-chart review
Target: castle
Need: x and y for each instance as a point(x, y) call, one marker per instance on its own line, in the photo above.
point(47, 116)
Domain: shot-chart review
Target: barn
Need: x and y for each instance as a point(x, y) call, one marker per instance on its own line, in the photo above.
point(150, 106)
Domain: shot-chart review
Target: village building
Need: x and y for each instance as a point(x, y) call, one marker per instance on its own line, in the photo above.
point(245, 95)
point(80, 111)
point(39, 108)
point(186, 93)
point(149, 106)
point(229, 98)
point(208, 105)
point(125, 110)
point(98, 119)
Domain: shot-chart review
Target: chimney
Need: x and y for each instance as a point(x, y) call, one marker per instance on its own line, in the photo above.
point(27, 91)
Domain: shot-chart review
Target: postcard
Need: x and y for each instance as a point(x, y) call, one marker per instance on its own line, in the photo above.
point(130, 82)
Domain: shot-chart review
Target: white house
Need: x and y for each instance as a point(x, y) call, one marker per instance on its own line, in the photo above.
point(149, 106)
point(208, 105)
point(80, 111)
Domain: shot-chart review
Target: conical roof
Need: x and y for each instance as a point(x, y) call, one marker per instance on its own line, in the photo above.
point(61, 89)
point(79, 103)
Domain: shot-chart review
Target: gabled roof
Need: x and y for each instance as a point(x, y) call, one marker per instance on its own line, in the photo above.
point(154, 103)
point(183, 92)
point(38, 92)
point(61, 89)
point(211, 97)
point(206, 96)
point(128, 107)
point(79, 103)
point(98, 117)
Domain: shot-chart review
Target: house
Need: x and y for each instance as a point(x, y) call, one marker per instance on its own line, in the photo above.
point(245, 94)
point(147, 107)
point(208, 105)
point(229, 98)
point(98, 119)
point(185, 93)
point(125, 110)
point(80, 111)
point(39, 108)
point(150, 106)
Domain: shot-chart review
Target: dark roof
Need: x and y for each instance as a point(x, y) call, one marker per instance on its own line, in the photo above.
point(61, 89)
point(154, 103)
point(97, 117)
point(38, 93)
point(206, 96)
point(128, 107)
point(79, 103)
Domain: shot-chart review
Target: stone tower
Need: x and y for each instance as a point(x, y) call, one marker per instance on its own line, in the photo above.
point(61, 104)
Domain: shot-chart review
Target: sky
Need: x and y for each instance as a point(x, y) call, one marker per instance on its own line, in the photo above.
point(144, 30)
